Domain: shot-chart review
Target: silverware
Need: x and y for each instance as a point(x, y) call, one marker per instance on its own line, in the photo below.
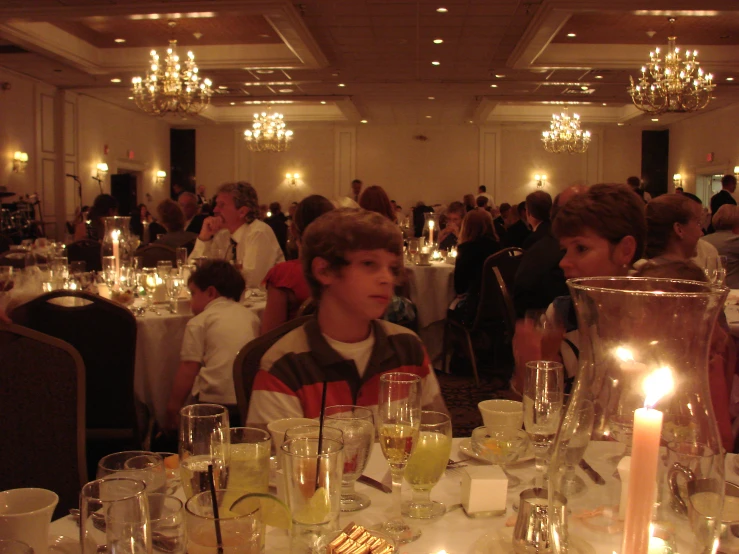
point(374, 484)
point(594, 475)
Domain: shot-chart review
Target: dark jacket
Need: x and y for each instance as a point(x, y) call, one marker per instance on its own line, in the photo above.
point(539, 280)
point(543, 230)
point(278, 224)
point(178, 239)
point(516, 235)
point(196, 224)
point(719, 199)
point(470, 258)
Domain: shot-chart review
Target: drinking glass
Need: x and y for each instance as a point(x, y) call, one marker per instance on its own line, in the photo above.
point(715, 269)
point(114, 516)
point(204, 441)
point(164, 268)
point(427, 464)
point(168, 532)
point(173, 283)
point(577, 436)
point(108, 271)
point(398, 420)
point(312, 472)
point(75, 268)
point(181, 256)
point(543, 398)
point(238, 534)
point(358, 426)
point(148, 280)
point(59, 270)
point(249, 467)
point(147, 467)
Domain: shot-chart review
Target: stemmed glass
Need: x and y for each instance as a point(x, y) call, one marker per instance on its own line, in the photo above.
point(543, 398)
point(174, 285)
point(427, 464)
point(108, 271)
point(148, 280)
point(577, 437)
point(358, 426)
point(398, 420)
point(715, 269)
point(204, 440)
point(181, 257)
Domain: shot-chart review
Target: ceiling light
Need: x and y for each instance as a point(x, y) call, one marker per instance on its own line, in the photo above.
point(599, 76)
point(233, 103)
point(428, 117)
point(571, 35)
point(499, 76)
point(584, 87)
point(655, 119)
point(130, 97)
point(264, 36)
point(431, 98)
point(564, 135)
point(285, 90)
point(605, 104)
point(494, 86)
point(438, 41)
point(116, 80)
point(119, 40)
point(620, 124)
point(222, 88)
point(268, 133)
point(363, 121)
point(435, 63)
point(442, 10)
point(730, 78)
point(323, 101)
point(342, 85)
point(265, 71)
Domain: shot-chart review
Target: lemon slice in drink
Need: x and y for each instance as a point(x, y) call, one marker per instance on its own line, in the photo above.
point(268, 508)
point(316, 510)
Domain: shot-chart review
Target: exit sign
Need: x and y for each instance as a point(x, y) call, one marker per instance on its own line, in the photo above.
point(709, 157)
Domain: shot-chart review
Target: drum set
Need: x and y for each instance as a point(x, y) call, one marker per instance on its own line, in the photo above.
point(19, 220)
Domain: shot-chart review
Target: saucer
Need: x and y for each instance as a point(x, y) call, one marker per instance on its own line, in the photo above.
point(465, 447)
point(501, 542)
point(64, 545)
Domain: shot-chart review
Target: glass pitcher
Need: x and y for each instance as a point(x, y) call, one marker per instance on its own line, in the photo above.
point(643, 363)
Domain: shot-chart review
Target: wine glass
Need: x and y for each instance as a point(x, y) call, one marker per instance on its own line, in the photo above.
point(174, 285)
point(427, 464)
point(147, 467)
point(501, 446)
point(181, 256)
point(715, 269)
point(148, 280)
point(543, 398)
point(108, 271)
point(398, 420)
point(358, 425)
point(204, 440)
point(576, 437)
point(164, 268)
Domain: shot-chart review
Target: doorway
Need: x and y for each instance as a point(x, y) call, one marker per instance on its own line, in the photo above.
point(123, 187)
point(706, 186)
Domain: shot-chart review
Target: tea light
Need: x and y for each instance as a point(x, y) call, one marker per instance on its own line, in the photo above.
point(453, 253)
point(436, 255)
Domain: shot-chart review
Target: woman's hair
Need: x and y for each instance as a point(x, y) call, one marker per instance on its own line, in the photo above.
point(611, 211)
point(662, 214)
point(309, 209)
point(674, 269)
point(375, 199)
point(103, 206)
point(477, 224)
point(469, 201)
point(726, 218)
point(171, 215)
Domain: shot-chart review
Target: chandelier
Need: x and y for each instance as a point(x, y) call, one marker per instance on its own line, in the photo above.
point(672, 84)
point(171, 88)
point(564, 135)
point(268, 133)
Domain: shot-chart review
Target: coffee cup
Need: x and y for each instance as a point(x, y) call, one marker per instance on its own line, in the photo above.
point(501, 415)
point(25, 515)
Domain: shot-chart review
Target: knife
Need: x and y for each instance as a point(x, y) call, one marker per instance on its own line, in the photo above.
point(374, 483)
point(594, 475)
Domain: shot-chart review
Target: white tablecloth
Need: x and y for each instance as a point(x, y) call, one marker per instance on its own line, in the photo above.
point(432, 290)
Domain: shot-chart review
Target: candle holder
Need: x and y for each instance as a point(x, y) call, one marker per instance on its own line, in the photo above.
point(643, 364)
point(117, 240)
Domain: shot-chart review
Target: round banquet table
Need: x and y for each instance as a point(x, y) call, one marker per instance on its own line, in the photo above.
point(454, 533)
point(432, 290)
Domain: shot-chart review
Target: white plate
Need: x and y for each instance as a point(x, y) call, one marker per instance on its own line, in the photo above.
point(64, 545)
point(501, 542)
point(465, 447)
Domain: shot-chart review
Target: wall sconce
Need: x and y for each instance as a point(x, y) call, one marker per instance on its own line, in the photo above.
point(20, 161)
point(677, 180)
point(736, 171)
point(540, 180)
point(161, 176)
point(102, 171)
point(292, 178)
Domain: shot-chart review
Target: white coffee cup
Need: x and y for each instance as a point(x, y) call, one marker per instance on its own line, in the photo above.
point(25, 515)
point(278, 427)
point(500, 415)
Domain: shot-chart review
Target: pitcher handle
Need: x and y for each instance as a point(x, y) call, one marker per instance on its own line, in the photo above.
point(676, 471)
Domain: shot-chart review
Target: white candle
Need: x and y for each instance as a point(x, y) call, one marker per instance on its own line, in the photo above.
point(431, 231)
point(644, 462)
point(117, 256)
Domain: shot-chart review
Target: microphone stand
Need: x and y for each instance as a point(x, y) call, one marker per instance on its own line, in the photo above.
point(100, 183)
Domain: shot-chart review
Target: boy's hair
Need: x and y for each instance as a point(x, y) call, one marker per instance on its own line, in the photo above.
point(611, 211)
point(220, 275)
point(662, 214)
point(539, 205)
point(171, 215)
point(477, 224)
point(339, 232)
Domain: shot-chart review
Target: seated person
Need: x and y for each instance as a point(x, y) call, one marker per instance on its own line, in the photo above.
point(375, 199)
point(516, 229)
point(726, 241)
point(93, 227)
point(673, 228)
point(287, 289)
point(449, 235)
point(538, 212)
point(351, 259)
point(213, 338)
point(173, 220)
point(190, 205)
point(477, 241)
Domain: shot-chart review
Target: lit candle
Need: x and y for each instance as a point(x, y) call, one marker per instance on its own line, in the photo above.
point(644, 461)
point(116, 254)
point(431, 231)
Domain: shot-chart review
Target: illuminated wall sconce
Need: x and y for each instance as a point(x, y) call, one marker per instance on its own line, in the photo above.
point(736, 171)
point(102, 171)
point(20, 161)
point(540, 180)
point(161, 176)
point(292, 178)
point(677, 180)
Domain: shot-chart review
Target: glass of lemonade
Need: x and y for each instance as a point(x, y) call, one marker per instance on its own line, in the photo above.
point(427, 464)
point(204, 440)
point(239, 534)
point(248, 469)
point(358, 427)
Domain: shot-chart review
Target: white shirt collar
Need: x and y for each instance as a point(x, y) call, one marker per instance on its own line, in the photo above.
point(240, 233)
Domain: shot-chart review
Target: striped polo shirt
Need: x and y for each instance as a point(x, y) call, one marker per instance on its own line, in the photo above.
point(292, 372)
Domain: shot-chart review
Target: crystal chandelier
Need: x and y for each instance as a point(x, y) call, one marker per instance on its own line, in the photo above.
point(564, 135)
point(268, 133)
point(677, 85)
point(171, 88)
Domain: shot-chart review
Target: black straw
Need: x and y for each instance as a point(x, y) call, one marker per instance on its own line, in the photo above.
point(320, 430)
point(214, 501)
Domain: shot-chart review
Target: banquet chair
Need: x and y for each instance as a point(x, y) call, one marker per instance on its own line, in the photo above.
point(42, 415)
point(5, 243)
point(491, 316)
point(88, 251)
point(308, 307)
point(153, 253)
point(104, 333)
point(248, 359)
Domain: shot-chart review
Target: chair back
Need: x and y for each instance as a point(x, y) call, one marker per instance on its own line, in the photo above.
point(104, 333)
point(153, 253)
point(308, 307)
point(88, 251)
point(491, 307)
point(248, 359)
point(42, 415)
point(508, 310)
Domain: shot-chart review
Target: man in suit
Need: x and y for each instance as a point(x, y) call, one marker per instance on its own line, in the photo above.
point(189, 204)
point(500, 221)
point(724, 196)
point(516, 229)
point(538, 209)
point(278, 222)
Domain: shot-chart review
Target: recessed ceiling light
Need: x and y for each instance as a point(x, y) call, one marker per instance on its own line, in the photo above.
point(655, 119)
point(499, 76)
point(442, 10)
point(620, 124)
point(264, 36)
point(438, 40)
point(571, 35)
point(323, 101)
point(428, 117)
point(342, 85)
point(584, 87)
point(605, 104)
point(119, 40)
point(730, 78)
point(116, 80)
point(599, 76)
point(265, 71)
point(363, 121)
point(435, 62)
point(493, 86)
point(222, 87)
point(432, 98)
point(130, 97)
point(233, 103)
point(285, 90)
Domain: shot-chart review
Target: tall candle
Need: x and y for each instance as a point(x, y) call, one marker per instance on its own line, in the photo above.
point(431, 231)
point(117, 256)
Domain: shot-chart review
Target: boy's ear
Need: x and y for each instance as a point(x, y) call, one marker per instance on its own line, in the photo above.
point(322, 271)
point(211, 291)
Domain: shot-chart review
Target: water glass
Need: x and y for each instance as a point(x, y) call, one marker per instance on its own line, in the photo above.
point(148, 281)
point(358, 428)
point(238, 534)
point(312, 474)
point(168, 531)
point(577, 435)
point(108, 271)
point(181, 256)
point(715, 269)
point(249, 463)
point(114, 515)
point(204, 441)
point(174, 285)
point(164, 268)
point(147, 467)
point(427, 464)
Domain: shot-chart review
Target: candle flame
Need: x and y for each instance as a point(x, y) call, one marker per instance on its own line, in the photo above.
point(656, 385)
point(624, 354)
point(115, 234)
point(431, 223)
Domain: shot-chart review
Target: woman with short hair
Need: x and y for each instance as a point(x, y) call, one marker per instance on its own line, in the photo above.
point(726, 240)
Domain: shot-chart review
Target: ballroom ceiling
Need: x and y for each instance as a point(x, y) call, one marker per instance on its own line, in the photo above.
point(498, 61)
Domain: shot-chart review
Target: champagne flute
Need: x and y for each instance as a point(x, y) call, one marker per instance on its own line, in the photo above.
point(358, 425)
point(181, 257)
point(543, 398)
point(204, 440)
point(398, 420)
point(174, 285)
point(427, 464)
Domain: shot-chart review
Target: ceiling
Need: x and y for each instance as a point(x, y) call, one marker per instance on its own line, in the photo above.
point(500, 61)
